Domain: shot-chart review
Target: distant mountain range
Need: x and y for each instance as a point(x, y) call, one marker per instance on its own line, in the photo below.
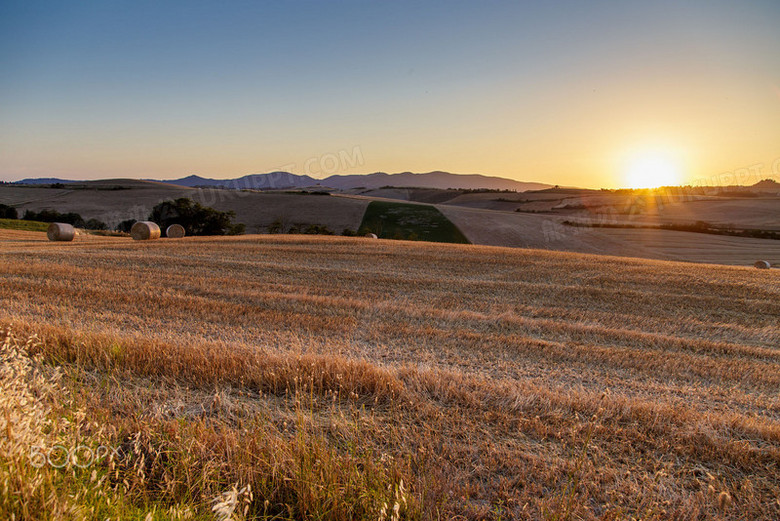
point(286, 180)
point(44, 181)
point(441, 180)
point(283, 180)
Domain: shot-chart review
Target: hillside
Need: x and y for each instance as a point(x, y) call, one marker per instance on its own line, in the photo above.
point(403, 221)
point(335, 377)
point(767, 185)
point(546, 231)
point(135, 200)
point(761, 210)
point(484, 218)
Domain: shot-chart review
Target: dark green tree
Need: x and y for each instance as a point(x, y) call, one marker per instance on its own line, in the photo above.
point(51, 216)
point(196, 219)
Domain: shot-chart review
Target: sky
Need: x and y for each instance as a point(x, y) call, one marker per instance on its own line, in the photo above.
point(571, 93)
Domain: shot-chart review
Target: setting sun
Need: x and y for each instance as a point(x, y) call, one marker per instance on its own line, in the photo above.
point(651, 170)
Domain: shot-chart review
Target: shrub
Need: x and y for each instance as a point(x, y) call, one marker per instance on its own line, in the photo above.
point(276, 227)
point(94, 224)
point(317, 229)
point(8, 212)
point(125, 226)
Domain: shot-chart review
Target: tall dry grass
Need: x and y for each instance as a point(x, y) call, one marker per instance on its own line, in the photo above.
point(172, 451)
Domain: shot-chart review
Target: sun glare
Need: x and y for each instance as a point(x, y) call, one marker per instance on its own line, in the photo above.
point(652, 170)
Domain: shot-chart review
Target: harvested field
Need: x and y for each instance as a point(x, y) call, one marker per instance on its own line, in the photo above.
point(481, 224)
point(338, 376)
point(524, 230)
point(97, 199)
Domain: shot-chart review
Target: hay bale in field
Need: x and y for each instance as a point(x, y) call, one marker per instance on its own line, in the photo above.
point(145, 231)
point(371, 236)
point(175, 231)
point(762, 265)
point(60, 232)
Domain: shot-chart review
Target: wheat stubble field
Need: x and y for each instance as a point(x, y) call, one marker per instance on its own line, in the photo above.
point(341, 378)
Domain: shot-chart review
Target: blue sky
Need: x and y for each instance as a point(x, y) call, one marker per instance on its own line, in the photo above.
point(560, 92)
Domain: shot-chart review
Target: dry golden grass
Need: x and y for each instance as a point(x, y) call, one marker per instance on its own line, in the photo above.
point(321, 377)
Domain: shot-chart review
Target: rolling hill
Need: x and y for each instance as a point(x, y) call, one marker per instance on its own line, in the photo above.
point(484, 218)
point(339, 378)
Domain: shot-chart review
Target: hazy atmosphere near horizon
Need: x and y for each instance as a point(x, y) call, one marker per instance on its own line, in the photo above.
point(571, 93)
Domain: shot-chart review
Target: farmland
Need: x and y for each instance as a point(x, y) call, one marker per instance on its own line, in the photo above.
point(341, 378)
point(524, 220)
point(393, 220)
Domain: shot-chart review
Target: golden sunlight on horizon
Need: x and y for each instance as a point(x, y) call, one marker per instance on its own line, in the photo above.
point(652, 169)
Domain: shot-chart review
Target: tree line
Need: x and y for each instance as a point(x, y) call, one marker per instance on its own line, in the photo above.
point(196, 219)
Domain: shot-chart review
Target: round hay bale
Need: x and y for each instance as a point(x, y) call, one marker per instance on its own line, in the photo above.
point(762, 265)
point(60, 232)
point(371, 236)
point(175, 231)
point(145, 231)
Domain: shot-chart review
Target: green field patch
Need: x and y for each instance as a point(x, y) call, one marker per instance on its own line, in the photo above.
point(403, 221)
point(19, 224)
